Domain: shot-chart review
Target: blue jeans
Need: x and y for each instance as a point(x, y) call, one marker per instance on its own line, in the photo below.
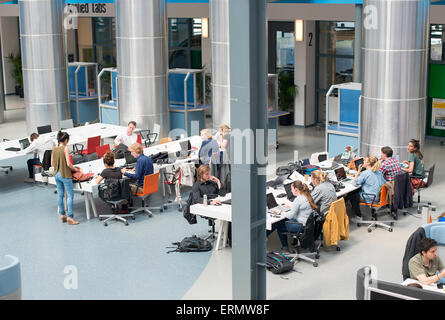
point(65, 184)
point(284, 226)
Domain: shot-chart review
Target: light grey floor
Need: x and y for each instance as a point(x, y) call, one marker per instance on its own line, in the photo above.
point(334, 278)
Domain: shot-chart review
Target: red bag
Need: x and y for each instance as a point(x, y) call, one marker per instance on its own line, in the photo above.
point(79, 176)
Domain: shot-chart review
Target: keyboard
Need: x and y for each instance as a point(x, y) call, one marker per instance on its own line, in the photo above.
point(282, 208)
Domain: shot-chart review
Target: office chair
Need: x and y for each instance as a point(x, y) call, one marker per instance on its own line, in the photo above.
point(151, 185)
point(429, 181)
point(383, 205)
point(306, 239)
point(115, 213)
point(44, 129)
point(147, 137)
point(336, 213)
point(92, 143)
point(101, 150)
point(173, 180)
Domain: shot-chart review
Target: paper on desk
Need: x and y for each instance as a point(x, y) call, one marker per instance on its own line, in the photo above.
point(296, 176)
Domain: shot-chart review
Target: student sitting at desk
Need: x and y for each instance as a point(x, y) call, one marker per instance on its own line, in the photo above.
point(301, 208)
point(414, 165)
point(324, 192)
point(389, 166)
point(40, 145)
point(371, 181)
point(110, 172)
point(60, 160)
point(144, 166)
point(128, 137)
point(426, 266)
point(205, 185)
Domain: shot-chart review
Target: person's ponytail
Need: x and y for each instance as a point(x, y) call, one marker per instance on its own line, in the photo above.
point(374, 163)
point(304, 190)
point(62, 136)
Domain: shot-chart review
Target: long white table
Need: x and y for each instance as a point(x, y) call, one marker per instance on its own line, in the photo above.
point(223, 213)
point(77, 135)
point(90, 189)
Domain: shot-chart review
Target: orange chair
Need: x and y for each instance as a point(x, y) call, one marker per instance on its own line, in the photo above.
point(151, 185)
point(375, 207)
point(101, 150)
point(92, 143)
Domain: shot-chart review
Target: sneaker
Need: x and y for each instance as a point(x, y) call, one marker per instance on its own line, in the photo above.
point(29, 180)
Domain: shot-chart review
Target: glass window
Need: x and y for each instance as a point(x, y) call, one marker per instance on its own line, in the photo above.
point(184, 43)
point(104, 41)
point(285, 51)
point(436, 42)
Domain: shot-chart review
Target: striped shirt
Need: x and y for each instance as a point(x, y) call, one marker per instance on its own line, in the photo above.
point(390, 168)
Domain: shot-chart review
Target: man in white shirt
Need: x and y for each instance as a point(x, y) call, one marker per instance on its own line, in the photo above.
point(38, 145)
point(128, 137)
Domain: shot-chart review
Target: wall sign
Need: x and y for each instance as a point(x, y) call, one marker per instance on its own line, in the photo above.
point(438, 114)
point(92, 9)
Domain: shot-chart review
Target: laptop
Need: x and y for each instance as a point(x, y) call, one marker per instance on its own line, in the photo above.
point(322, 157)
point(288, 188)
point(341, 175)
point(272, 203)
point(130, 161)
point(24, 143)
point(335, 163)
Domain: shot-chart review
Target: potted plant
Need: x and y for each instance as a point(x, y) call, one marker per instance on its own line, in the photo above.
point(16, 72)
point(287, 91)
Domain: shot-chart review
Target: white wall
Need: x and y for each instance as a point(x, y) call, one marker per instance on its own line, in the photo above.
point(10, 44)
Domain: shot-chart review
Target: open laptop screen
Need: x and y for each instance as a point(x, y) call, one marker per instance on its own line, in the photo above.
point(271, 202)
point(340, 173)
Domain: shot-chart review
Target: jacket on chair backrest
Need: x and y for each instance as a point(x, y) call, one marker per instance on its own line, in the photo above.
point(411, 249)
point(336, 226)
point(403, 197)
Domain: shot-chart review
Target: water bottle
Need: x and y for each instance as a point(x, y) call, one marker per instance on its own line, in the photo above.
point(204, 202)
point(89, 169)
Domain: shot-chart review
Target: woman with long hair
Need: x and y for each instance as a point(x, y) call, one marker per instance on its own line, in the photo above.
point(414, 165)
point(324, 192)
point(60, 160)
point(300, 210)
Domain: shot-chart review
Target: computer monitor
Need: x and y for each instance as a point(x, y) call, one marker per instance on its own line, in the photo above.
point(129, 159)
point(340, 173)
point(44, 129)
point(24, 143)
point(271, 202)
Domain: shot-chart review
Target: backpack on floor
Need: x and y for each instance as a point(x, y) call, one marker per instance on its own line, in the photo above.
point(191, 244)
point(278, 262)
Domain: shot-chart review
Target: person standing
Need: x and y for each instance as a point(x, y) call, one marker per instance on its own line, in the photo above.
point(60, 160)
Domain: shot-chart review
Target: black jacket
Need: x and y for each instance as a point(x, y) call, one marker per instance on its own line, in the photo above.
point(411, 249)
point(403, 196)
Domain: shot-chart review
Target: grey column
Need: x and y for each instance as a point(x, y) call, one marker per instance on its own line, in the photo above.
point(44, 63)
point(219, 18)
point(248, 112)
point(395, 53)
point(357, 76)
point(142, 63)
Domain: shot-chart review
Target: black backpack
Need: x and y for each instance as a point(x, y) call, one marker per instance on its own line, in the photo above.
point(278, 262)
point(191, 244)
point(119, 151)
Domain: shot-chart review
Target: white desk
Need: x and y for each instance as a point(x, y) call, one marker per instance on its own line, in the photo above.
point(431, 287)
point(77, 135)
point(224, 212)
point(90, 188)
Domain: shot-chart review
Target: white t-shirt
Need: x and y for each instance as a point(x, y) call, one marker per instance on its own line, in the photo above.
point(39, 145)
point(125, 139)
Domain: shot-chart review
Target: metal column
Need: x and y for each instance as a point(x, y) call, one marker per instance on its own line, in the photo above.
point(357, 77)
point(142, 63)
point(44, 63)
point(2, 89)
point(248, 115)
point(395, 55)
point(219, 18)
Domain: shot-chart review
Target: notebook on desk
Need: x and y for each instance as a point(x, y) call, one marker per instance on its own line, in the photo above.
point(13, 149)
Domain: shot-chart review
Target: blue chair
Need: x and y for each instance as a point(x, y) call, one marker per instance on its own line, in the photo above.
point(10, 280)
point(435, 231)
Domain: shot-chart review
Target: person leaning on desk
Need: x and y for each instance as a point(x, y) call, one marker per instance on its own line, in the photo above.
point(300, 210)
point(40, 145)
point(110, 171)
point(426, 266)
point(370, 180)
point(144, 166)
